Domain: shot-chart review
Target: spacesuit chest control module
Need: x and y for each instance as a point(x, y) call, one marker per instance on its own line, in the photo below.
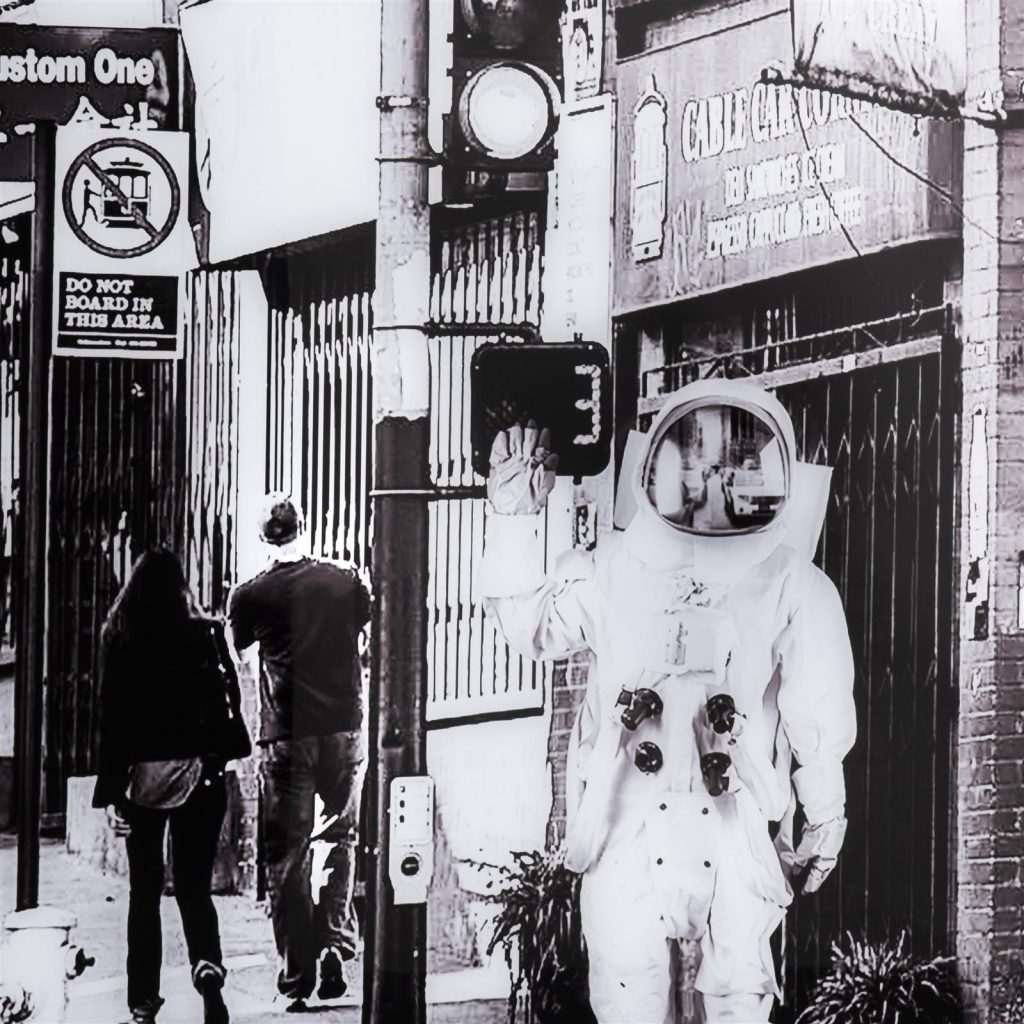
point(719, 697)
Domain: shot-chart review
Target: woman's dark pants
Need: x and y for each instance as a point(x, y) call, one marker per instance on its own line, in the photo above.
point(195, 829)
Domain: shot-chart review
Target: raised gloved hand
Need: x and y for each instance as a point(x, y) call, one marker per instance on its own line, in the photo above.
point(522, 470)
point(819, 850)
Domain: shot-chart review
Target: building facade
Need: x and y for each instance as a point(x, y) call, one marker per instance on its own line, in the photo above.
point(702, 219)
point(865, 265)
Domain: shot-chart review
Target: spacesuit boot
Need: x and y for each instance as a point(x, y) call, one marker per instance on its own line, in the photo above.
point(737, 1009)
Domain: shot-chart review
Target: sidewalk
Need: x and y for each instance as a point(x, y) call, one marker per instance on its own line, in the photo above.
point(98, 997)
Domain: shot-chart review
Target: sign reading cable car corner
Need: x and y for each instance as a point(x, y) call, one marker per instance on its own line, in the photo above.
point(120, 237)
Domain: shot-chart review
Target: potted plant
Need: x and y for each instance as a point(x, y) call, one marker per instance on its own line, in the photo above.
point(539, 928)
point(882, 983)
point(1008, 992)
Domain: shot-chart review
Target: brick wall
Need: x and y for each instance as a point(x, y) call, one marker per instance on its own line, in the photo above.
point(245, 812)
point(568, 687)
point(990, 847)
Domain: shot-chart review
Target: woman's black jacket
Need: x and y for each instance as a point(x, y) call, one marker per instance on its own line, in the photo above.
point(155, 699)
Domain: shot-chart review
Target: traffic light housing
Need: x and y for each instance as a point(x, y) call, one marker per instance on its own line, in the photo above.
point(565, 387)
point(506, 92)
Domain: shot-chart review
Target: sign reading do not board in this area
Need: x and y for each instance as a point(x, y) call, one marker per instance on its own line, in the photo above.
point(120, 232)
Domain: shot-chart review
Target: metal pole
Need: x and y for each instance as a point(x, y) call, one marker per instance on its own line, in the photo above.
point(31, 548)
point(395, 966)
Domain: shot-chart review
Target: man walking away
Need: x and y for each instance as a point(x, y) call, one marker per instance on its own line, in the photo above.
point(306, 615)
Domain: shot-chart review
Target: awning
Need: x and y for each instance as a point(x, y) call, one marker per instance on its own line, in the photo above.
point(907, 54)
point(16, 197)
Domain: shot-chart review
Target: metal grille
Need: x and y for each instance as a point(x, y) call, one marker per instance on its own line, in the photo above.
point(141, 456)
point(319, 430)
point(211, 409)
point(891, 433)
point(776, 354)
point(13, 327)
point(320, 417)
point(485, 272)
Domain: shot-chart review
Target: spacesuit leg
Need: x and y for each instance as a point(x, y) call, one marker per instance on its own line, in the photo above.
point(737, 971)
point(630, 959)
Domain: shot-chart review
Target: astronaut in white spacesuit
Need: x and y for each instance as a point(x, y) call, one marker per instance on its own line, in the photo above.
point(719, 696)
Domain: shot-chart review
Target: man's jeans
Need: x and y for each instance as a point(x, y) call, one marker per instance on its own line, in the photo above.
point(293, 771)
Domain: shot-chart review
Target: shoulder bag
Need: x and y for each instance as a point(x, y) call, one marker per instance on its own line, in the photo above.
point(222, 728)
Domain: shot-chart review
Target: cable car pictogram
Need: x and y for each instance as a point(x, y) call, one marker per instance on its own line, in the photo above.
point(132, 177)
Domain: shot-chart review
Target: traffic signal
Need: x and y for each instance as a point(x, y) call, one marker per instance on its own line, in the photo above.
point(506, 92)
point(564, 387)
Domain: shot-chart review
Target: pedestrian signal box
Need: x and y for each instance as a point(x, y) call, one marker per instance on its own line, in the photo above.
point(564, 387)
point(411, 840)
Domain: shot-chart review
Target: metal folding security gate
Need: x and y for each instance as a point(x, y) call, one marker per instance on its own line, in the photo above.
point(891, 432)
point(142, 455)
point(882, 409)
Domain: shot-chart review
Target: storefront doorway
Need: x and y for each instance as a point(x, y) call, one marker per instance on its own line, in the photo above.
point(880, 403)
point(890, 431)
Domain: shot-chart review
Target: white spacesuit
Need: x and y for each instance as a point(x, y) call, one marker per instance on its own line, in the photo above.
point(721, 663)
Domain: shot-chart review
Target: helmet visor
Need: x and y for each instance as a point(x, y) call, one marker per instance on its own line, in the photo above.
point(717, 469)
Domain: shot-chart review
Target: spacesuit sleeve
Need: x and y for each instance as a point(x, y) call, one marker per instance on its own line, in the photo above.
point(539, 616)
point(816, 697)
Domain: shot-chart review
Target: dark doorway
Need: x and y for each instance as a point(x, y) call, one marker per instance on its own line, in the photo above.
point(891, 432)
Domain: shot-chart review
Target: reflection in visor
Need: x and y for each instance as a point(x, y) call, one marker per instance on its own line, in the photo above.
point(717, 469)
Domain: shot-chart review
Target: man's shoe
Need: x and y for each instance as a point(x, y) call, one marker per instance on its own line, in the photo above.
point(332, 975)
point(146, 1012)
point(289, 1003)
point(209, 982)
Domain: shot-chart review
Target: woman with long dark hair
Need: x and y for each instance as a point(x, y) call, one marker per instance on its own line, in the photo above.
point(169, 722)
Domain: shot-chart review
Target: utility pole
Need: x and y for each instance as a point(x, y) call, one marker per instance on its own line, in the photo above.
point(31, 525)
point(395, 965)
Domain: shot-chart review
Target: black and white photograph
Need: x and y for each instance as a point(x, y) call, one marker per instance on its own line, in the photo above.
point(512, 511)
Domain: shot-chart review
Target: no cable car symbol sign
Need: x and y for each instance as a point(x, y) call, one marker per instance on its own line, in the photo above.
point(120, 238)
point(121, 198)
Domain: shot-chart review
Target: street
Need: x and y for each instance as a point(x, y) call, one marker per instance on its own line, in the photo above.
point(98, 997)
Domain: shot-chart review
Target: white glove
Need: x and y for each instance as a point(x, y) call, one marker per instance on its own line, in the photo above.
point(819, 850)
point(522, 470)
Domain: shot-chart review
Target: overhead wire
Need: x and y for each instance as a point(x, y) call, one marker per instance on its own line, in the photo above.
point(821, 185)
point(944, 193)
point(865, 262)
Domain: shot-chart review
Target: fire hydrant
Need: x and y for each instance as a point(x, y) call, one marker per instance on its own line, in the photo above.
point(37, 959)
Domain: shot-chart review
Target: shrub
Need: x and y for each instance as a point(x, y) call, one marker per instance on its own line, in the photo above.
point(1008, 993)
point(884, 984)
point(539, 928)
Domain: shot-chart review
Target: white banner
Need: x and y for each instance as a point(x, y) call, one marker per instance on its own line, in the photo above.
point(908, 53)
point(578, 244)
point(286, 118)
